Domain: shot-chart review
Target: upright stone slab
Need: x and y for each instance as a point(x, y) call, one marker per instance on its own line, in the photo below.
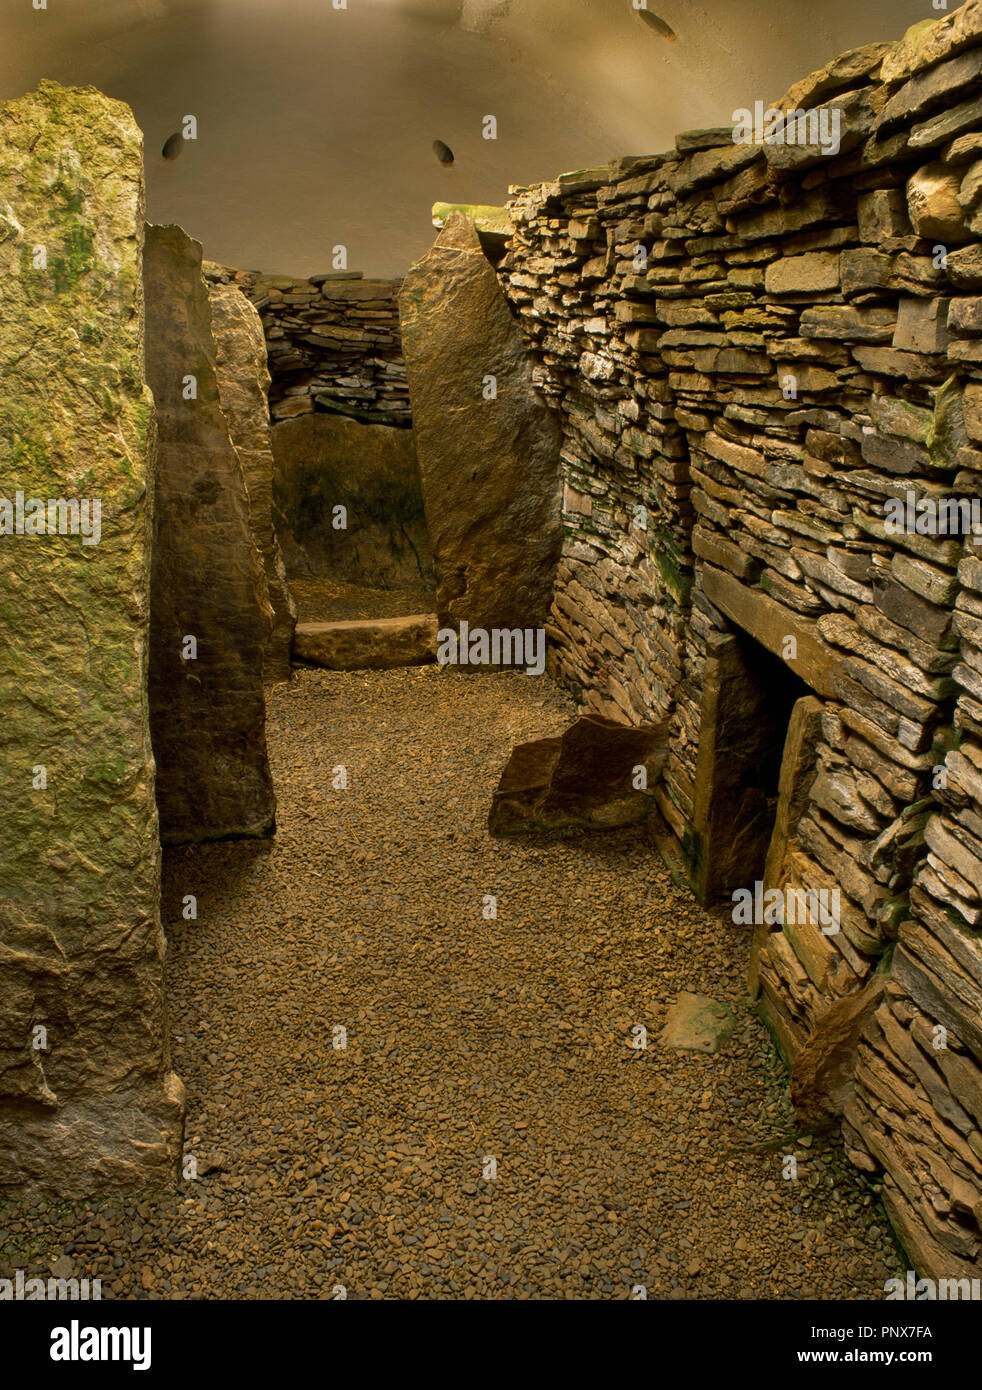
point(489, 463)
point(87, 1097)
point(207, 709)
point(243, 388)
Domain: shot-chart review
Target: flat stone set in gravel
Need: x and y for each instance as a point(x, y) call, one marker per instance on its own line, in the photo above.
point(325, 1167)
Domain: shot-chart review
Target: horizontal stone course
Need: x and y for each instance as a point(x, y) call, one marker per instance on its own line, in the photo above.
point(333, 344)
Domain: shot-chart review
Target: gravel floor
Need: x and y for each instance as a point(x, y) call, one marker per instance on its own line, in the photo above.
point(467, 1039)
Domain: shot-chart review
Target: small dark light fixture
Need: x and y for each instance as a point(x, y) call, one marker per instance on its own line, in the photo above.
point(659, 25)
point(443, 152)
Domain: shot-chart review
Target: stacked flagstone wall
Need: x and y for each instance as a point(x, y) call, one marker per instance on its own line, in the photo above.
point(333, 345)
point(753, 346)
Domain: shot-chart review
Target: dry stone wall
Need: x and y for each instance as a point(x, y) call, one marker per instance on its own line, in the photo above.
point(333, 345)
point(766, 356)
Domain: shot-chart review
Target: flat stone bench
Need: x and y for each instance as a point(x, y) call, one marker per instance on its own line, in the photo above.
point(368, 644)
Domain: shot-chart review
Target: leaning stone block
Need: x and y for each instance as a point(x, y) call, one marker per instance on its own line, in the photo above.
point(584, 778)
point(488, 448)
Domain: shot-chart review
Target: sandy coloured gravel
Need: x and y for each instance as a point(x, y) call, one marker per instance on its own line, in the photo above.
point(467, 1039)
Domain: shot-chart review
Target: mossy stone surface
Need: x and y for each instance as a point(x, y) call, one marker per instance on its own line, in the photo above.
point(82, 947)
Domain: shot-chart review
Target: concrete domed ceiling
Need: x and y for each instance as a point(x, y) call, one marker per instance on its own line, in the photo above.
point(316, 125)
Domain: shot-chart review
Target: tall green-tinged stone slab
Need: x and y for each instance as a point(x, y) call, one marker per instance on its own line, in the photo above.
point(87, 1097)
point(210, 615)
point(488, 447)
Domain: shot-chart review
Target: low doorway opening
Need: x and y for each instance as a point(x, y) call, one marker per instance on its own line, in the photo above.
point(748, 696)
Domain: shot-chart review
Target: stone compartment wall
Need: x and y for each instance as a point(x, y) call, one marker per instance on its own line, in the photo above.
point(489, 469)
point(88, 1101)
point(738, 402)
point(333, 344)
point(242, 377)
point(207, 710)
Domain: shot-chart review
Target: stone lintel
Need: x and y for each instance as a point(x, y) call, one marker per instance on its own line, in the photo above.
point(770, 623)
